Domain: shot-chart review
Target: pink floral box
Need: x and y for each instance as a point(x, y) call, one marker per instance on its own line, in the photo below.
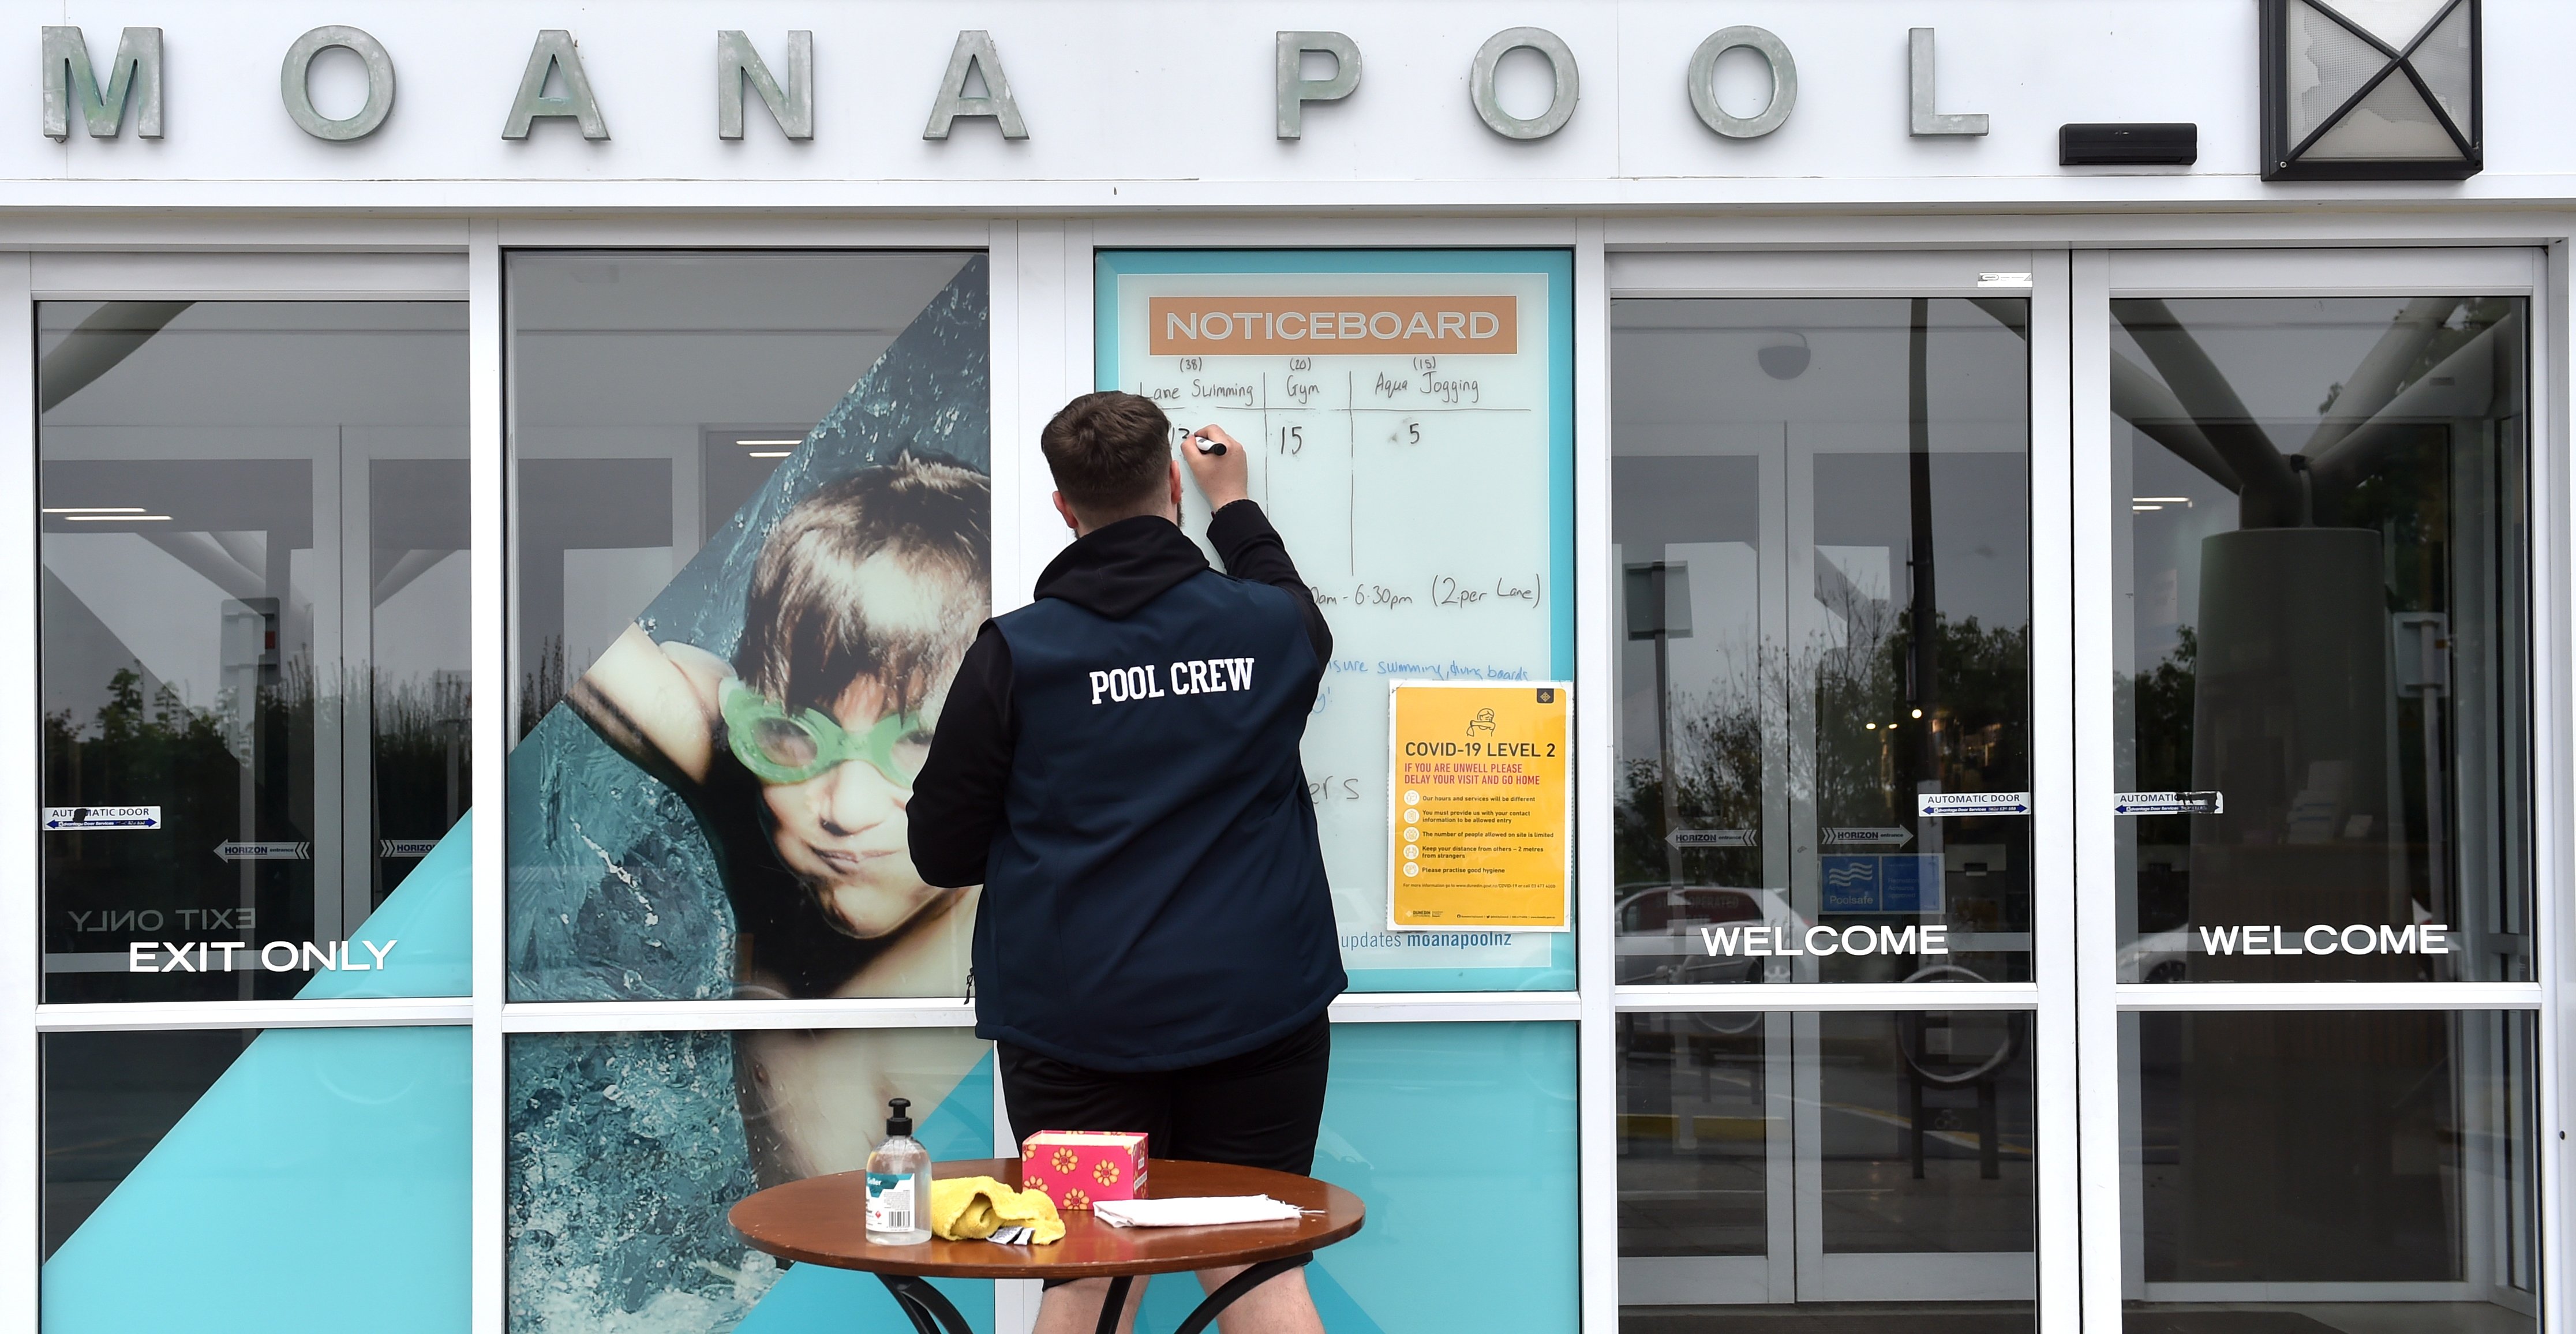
point(1075, 1167)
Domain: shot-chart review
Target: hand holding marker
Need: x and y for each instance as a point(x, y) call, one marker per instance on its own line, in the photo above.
point(1218, 463)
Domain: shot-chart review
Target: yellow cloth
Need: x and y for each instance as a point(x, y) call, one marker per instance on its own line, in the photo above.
point(970, 1208)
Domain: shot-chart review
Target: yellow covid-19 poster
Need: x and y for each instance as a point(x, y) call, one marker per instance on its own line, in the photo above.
point(1481, 804)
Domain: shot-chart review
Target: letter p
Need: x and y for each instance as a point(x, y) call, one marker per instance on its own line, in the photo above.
point(1296, 90)
point(1099, 683)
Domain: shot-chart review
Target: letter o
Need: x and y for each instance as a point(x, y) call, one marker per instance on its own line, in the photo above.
point(2369, 940)
point(273, 965)
point(1207, 326)
point(153, 925)
point(1560, 60)
point(1703, 82)
point(2309, 939)
point(1391, 318)
point(1819, 950)
point(1118, 684)
point(292, 83)
point(1868, 938)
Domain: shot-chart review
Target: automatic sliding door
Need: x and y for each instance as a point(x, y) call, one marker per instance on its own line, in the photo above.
point(2321, 574)
point(1822, 519)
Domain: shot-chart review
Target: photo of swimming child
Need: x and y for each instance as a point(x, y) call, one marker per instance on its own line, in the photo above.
point(712, 807)
point(798, 753)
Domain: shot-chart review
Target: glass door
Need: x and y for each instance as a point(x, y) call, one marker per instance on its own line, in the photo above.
point(2308, 762)
point(1826, 930)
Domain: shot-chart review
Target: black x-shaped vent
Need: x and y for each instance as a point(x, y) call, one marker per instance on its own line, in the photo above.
point(2390, 92)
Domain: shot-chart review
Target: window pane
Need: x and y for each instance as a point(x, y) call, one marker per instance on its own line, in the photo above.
point(1822, 518)
point(253, 641)
point(2322, 550)
point(749, 476)
point(1880, 1162)
point(240, 1180)
point(2362, 1170)
point(627, 1149)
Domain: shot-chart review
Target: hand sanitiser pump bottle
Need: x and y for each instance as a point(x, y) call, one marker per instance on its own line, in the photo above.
point(898, 1183)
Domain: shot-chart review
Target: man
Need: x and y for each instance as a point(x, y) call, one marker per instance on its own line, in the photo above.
point(1117, 766)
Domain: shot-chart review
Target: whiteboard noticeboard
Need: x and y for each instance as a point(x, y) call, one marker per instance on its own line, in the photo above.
point(1411, 420)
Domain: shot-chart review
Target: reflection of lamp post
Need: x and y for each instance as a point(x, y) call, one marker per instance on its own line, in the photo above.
point(1659, 609)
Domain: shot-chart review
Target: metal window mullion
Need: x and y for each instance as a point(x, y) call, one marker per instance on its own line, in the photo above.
point(21, 790)
point(1826, 996)
point(2056, 586)
point(1597, 739)
point(172, 1016)
point(2552, 491)
point(488, 1224)
point(2238, 997)
point(2097, 1020)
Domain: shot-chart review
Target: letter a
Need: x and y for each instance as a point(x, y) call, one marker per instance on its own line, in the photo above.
point(975, 53)
point(554, 51)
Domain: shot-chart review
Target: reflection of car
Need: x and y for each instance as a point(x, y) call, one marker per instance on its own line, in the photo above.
point(1659, 936)
point(2162, 957)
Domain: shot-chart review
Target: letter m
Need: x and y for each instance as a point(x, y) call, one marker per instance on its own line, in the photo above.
point(134, 74)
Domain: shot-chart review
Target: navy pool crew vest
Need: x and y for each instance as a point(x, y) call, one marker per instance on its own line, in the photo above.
point(1155, 897)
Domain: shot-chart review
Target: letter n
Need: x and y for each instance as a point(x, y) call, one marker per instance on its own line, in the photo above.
point(737, 62)
point(135, 73)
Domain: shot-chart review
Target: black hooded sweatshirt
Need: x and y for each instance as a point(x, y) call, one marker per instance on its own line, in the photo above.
point(1117, 765)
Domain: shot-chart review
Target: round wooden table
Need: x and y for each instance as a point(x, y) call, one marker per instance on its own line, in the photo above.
point(823, 1221)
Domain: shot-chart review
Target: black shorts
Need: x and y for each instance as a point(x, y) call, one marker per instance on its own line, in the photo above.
point(1259, 1109)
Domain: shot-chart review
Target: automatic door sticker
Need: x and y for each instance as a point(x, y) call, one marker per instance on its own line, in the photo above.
point(66, 819)
point(1951, 805)
point(2169, 803)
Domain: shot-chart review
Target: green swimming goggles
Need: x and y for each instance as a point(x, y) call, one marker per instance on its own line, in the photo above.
point(781, 748)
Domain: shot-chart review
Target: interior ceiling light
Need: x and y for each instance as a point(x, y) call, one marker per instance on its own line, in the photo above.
point(93, 509)
point(2184, 501)
point(770, 453)
point(757, 443)
point(2142, 509)
point(116, 518)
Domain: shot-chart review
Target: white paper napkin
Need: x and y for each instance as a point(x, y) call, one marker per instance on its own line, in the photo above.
point(1194, 1211)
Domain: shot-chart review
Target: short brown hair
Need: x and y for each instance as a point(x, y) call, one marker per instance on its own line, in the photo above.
point(806, 634)
point(1109, 451)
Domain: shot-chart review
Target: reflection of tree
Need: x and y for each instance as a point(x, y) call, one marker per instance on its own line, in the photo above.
point(542, 689)
point(158, 750)
point(1855, 774)
point(2161, 697)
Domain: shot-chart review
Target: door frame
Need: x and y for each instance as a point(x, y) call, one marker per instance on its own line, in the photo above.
point(2042, 277)
point(2099, 276)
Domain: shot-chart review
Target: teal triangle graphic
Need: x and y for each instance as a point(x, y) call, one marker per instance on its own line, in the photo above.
point(320, 1185)
point(425, 929)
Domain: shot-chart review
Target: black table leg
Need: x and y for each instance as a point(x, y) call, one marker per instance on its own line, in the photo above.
point(1115, 1303)
point(1234, 1289)
point(929, 1311)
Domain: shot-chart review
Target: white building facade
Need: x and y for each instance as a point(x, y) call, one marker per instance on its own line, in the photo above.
point(2055, 521)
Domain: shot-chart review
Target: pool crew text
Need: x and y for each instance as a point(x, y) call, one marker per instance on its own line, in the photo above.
point(1190, 676)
